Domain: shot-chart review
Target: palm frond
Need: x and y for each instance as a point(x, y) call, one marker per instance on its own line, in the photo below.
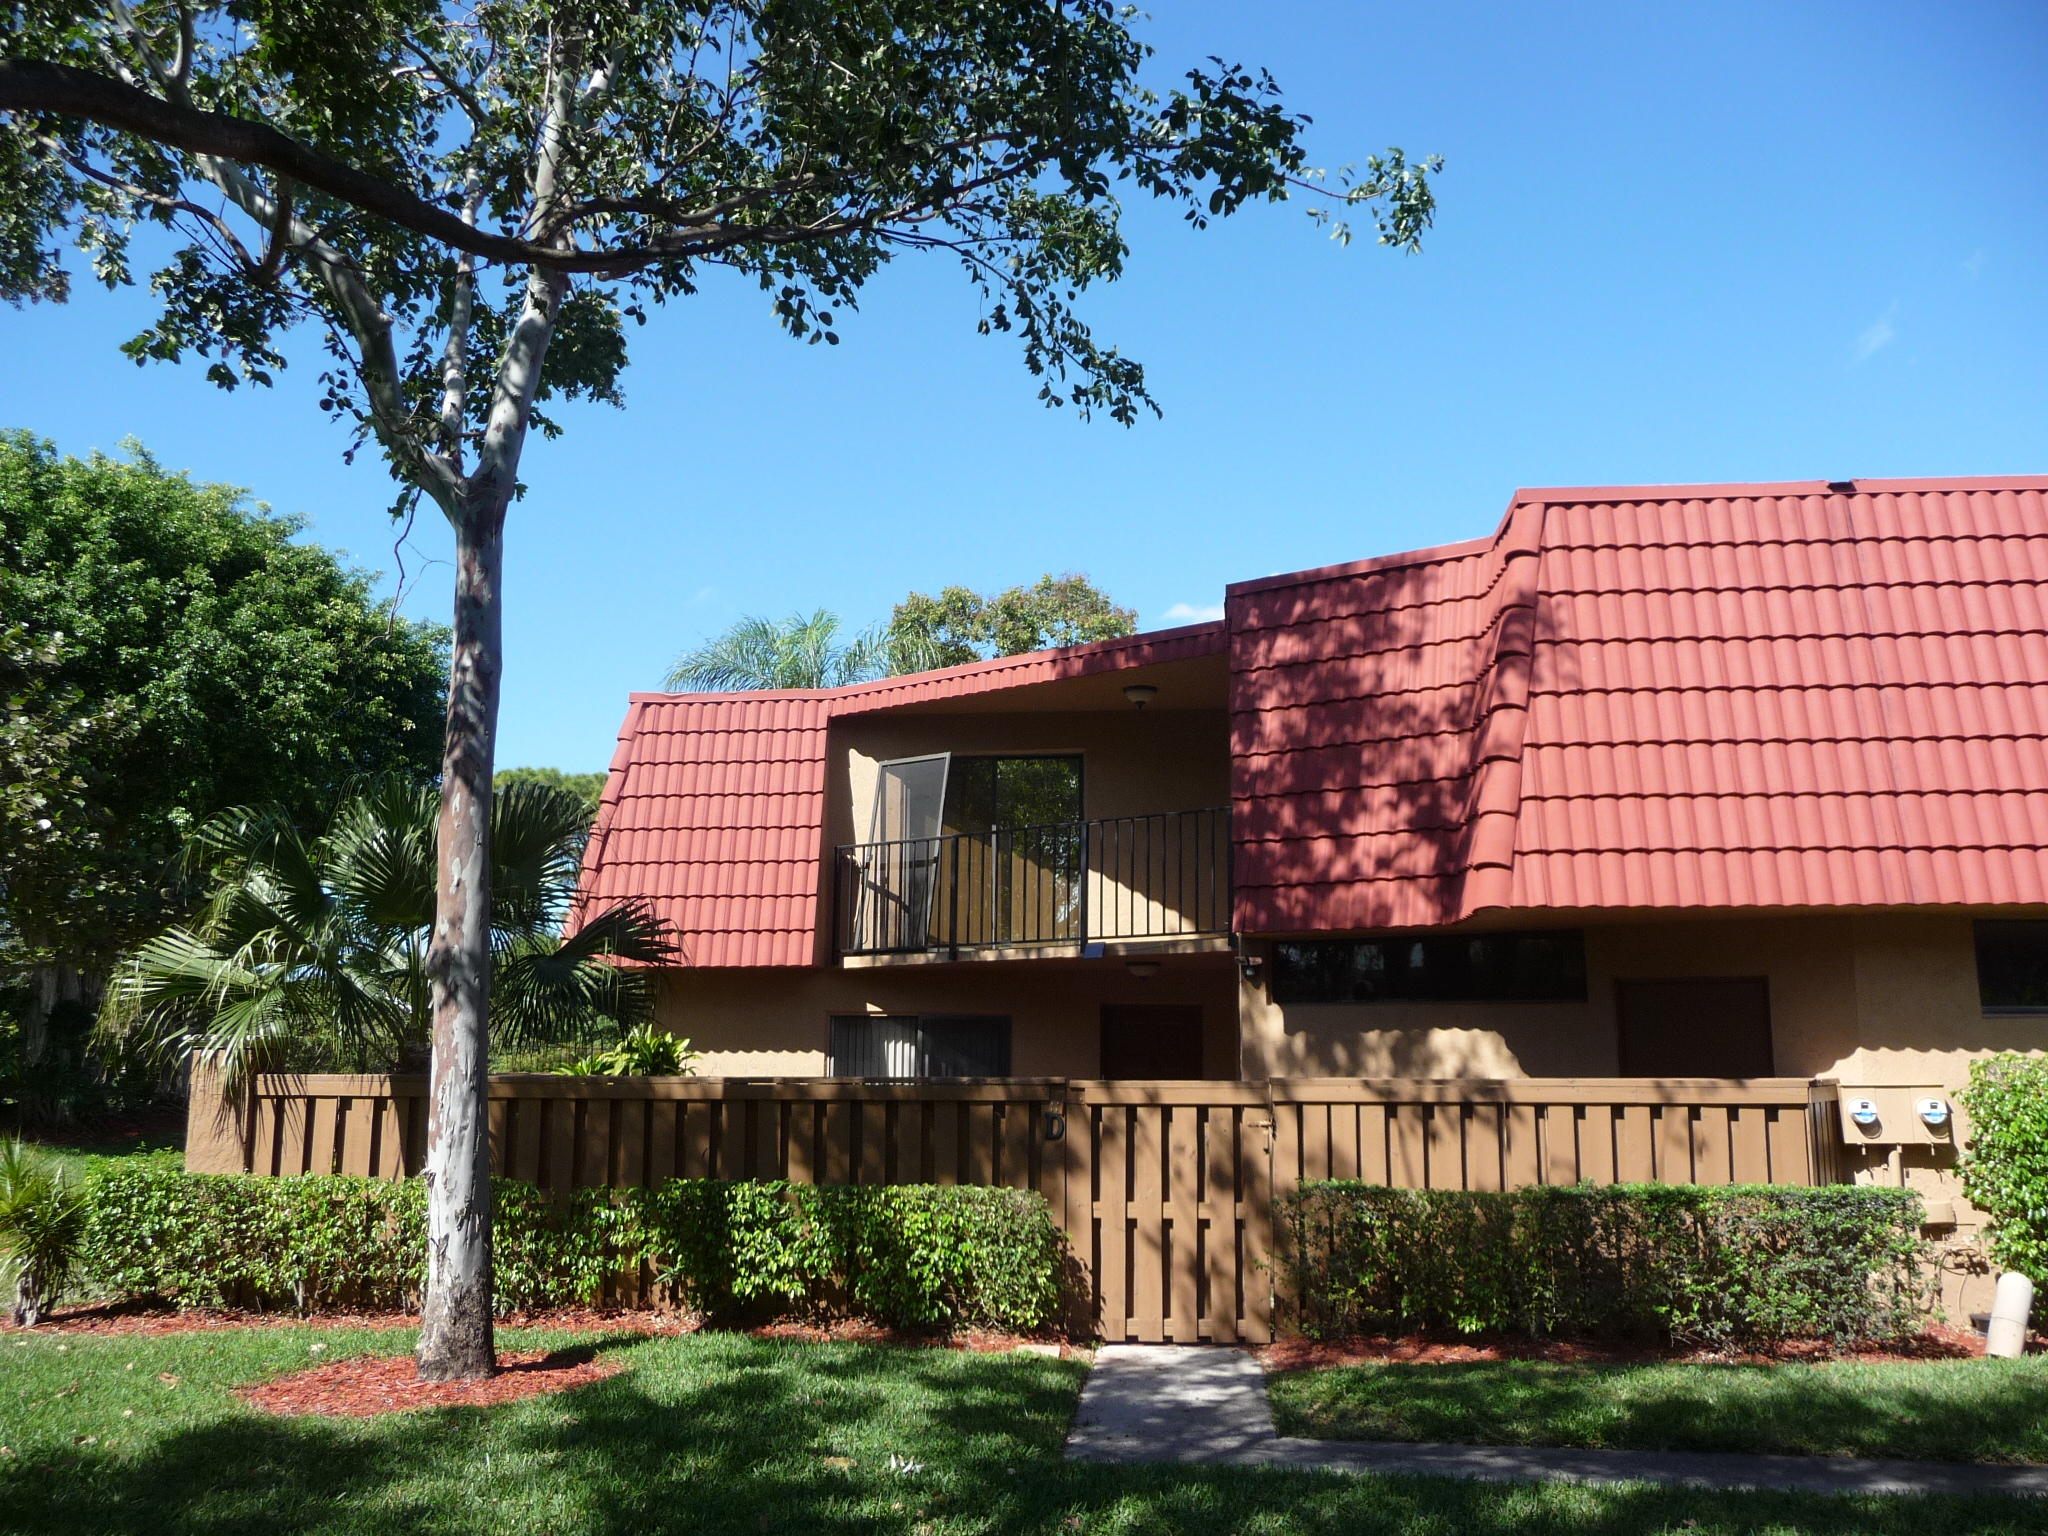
point(546, 991)
point(379, 854)
point(537, 837)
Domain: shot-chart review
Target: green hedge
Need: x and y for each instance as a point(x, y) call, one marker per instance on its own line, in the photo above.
point(2005, 1167)
point(907, 1255)
point(1737, 1266)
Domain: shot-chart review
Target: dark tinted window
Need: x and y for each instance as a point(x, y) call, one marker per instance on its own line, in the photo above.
point(908, 1045)
point(1476, 967)
point(986, 793)
point(2012, 964)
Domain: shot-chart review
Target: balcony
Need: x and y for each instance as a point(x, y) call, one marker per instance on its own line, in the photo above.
point(1164, 875)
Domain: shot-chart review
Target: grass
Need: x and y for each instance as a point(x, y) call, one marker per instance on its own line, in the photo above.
point(1954, 1410)
point(717, 1433)
point(79, 1151)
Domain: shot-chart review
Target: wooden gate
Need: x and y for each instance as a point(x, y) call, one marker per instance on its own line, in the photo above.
point(1165, 1189)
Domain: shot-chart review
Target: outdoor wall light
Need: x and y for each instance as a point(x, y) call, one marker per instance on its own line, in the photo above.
point(1144, 970)
point(1140, 694)
point(1250, 966)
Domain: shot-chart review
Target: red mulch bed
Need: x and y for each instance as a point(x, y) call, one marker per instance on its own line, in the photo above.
point(370, 1385)
point(148, 1318)
point(1935, 1343)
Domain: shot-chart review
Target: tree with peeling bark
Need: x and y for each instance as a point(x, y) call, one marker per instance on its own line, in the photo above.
point(468, 204)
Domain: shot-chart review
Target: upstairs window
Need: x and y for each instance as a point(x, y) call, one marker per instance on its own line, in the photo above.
point(1435, 968)
point(986, 794)
point(2012, 966)
point(918, 1045)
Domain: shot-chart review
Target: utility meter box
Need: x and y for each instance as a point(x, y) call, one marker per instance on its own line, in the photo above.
point(1896, 1116)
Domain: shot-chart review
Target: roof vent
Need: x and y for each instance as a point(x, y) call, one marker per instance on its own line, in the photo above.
point(1842, 487)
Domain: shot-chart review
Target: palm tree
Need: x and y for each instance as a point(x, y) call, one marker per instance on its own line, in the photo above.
point(801, 651)
point(313, 953)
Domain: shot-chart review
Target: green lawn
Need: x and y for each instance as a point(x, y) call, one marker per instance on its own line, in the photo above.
point(1956, 1410)
point(80, 1152)
point(727, 1433)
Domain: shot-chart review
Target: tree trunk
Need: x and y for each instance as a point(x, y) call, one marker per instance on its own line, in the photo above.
point(456, 1339)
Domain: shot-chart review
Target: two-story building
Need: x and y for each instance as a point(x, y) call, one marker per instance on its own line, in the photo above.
point(1653, 782)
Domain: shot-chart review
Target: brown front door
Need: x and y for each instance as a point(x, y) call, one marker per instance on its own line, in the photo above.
point(1698, 1026)
point(1151, 1040)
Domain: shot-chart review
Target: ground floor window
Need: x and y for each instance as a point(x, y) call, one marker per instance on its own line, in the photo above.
point(2012, 966)
point(1436, 968)
point(918, 1045)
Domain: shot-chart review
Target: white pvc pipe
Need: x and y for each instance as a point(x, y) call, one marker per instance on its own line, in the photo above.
point(2010, 1304)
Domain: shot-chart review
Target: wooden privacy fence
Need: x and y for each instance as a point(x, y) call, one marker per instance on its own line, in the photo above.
point(1165, 1189)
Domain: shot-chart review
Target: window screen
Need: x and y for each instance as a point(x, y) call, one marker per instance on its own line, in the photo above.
point(2012, 965)
point(1475, 967)
point(910, 1045)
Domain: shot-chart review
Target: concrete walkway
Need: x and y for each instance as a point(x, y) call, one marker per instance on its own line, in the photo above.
point(1207, 1407)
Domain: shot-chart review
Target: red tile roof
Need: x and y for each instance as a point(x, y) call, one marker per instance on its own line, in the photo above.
point(1635, 697)
point(1663, 697)
point(714, 811)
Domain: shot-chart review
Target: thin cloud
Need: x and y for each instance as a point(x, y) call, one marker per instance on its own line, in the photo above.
point(1193, 613)
point(1879, 334)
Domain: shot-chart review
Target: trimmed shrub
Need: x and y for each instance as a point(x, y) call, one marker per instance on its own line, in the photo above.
point(1726, 1267)
point(908, 1255)
point(2005, 1167)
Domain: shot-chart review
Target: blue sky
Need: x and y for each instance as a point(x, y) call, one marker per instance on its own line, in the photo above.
point(1698, 243)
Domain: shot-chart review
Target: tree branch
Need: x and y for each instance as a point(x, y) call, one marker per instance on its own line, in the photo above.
point(30, 85)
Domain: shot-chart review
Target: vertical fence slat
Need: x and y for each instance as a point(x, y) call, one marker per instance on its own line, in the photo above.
point(838, 1134)
point(1112, 1139)
point(1484, 1154)
point(1673, 1138)
point(1788, 1147)
point(1077, 1167)
point(321, 1113)
point(1016, 1150)
point(561, 1145)
point(802, 1134)
point(1222, 1136)
point(1148, 1236)
point(946, 1143)
point(1183, 1174)
point(358, 1127)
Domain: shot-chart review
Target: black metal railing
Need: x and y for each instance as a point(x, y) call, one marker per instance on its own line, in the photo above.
point(1162, 875)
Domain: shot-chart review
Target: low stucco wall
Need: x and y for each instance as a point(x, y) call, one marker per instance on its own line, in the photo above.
point(773, 1023)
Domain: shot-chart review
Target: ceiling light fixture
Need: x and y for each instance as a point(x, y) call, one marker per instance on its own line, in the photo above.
point(1140, 694)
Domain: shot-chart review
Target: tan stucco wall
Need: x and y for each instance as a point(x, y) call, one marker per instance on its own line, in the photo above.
point(773, 1023)
point(1875, 999)
point(1870, 1000)
point(1133, 761)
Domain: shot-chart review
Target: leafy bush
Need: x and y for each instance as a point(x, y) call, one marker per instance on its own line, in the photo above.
point(1736, 1266)
point(42, 1219)
point(2005, 1166)
point(912, 1256)
point(643, 1051)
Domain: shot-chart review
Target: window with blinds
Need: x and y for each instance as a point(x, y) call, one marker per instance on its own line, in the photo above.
point(918, 1045)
